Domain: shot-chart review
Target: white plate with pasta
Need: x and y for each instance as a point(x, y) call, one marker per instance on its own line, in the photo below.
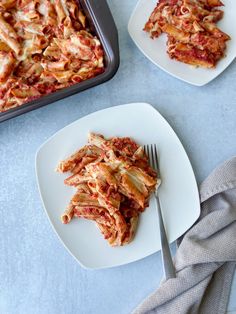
point(155, 49)
point(178, 191)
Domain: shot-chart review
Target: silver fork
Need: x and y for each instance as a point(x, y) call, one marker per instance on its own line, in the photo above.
point(168, 267)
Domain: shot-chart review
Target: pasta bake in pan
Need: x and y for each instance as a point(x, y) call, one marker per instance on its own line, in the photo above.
point(113, 182)
point(45, 45)
point(190, 25)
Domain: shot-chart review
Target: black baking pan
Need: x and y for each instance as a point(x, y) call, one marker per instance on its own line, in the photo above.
point(102, 23)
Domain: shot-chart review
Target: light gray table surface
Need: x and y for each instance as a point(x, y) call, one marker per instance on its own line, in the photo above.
point(37, 274)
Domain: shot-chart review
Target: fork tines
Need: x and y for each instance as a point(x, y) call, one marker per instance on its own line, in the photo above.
point(151, 152)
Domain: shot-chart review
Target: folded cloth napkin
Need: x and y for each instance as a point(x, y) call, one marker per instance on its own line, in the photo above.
point(206, 257)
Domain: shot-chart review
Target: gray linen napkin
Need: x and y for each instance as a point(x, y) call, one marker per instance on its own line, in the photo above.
point(206, 258)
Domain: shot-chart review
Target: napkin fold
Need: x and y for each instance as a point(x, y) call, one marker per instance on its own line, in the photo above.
point(206, 257)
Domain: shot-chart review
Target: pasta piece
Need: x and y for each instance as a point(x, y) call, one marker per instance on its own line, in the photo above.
point(83, 188)
point(135, 191)
point(214, 3)
point(130, 233)
point(7, 4)
point(108, 233)
point(24, 92)
point(8, 35)
point(73, 10)
point(70, 163)
point(104, 221)
point(49, 13)
point(112, 203)
point(55, 66)
point(61, 76)
point(7, 64)
point(68, 214)
point(61, 9)
point(84, 162)
point(84, 199)
point(52, 51)
point(107, 172)
point(93, 212)
point(82, 18)
point(76, 179)
point(142, 176)
point(96, 140)
point(4, 47)
point(176, 33)
point(68, 29)
point(2, 104)
point(216, 32)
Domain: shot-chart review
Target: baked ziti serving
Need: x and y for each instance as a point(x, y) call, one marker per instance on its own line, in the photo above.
point(113, 182)
point(45, 45)
point(192, 34)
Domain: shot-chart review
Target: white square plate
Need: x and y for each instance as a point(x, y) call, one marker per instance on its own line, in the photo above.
point(155, 49)
point(178, 192)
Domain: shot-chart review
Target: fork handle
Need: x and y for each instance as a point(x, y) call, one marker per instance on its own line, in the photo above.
point(168, 266)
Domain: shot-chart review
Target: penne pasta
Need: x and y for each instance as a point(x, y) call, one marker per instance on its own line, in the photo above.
point(193, 37)
point(4, 47)
point(48, 46)
point(24, 92)
point(61, 10)
point(68, 214)
point(176, 33)
point(55, 66)
point(8, 35)
point(7, 64)
point(132, 190)
point(111, 189)
point(7, 4)
point(7, 28)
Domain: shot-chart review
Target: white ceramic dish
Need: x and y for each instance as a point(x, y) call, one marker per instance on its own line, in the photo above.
point(155, 50)
point(178, 192)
